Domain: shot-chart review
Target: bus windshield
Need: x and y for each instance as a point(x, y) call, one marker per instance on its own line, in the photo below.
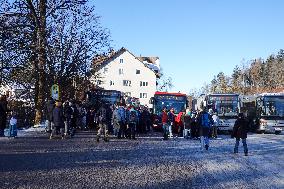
point(224, 105)
point(273, 106)
point(104, 96)
point(176, 102)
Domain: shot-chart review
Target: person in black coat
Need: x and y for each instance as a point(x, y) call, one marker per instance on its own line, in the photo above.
point(58, 120)
point(3, 114)
point(240, 132)
point(50, 104)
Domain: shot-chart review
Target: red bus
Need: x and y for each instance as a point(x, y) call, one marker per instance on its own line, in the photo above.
point(178, 101)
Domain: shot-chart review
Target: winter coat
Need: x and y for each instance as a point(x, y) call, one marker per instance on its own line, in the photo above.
point(202, 119)
point(121, 114)
point(240, 128)
point(135, 113)
point(171, 117)
point(203, 128)
point(179, 120)
point(49, 109)
point(165, 117)
point(3, 113)
point(115, 120)
point(3, 108)
point(102, 114)
point(58, 117)
point(186, 119)
point(67, 112)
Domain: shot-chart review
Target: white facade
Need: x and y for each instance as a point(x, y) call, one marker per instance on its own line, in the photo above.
point(125, 73)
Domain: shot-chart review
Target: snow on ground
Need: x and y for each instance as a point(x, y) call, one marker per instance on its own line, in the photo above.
point(26, 131)
point(263, 168)
point(179, 160)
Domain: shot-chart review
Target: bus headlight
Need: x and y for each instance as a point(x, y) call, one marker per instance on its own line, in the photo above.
point(263, 122)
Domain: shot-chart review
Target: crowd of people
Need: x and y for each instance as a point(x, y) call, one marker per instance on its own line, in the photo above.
point(125, 121)
point(202, 125)
point(121, 120)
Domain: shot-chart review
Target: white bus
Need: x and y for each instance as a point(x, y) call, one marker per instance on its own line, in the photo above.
point(227, 107)
point(270, 112)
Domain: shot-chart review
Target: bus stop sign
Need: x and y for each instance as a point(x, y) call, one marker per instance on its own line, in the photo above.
point(55, 92)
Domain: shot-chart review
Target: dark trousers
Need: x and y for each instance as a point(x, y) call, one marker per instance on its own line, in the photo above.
point(214, 131)
point(244, 141)
point(121, 132)
point(3, 121)
point(131, 130)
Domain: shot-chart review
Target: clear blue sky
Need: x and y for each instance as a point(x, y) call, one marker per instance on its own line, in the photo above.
point(195, 39)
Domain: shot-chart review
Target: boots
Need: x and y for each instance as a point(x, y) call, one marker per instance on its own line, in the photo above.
point(246, 152)
point(165, 136)
point(235, 150)
point(106, 139)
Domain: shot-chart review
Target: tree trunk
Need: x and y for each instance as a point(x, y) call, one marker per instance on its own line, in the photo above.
point(41, 61)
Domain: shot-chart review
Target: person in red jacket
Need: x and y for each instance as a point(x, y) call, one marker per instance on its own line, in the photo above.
point(165, 122)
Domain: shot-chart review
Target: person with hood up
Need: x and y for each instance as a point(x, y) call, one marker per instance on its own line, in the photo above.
point(240, 132)
point(50, 104)
point(58, 120)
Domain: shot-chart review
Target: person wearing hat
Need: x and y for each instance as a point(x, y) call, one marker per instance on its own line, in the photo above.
point(58, 120)
point(240, 132)
point(215, 125)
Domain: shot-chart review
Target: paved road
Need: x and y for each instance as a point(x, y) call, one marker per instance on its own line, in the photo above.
point(149, 162)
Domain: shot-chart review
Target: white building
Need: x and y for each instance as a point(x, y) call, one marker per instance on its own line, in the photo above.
point(127, 73)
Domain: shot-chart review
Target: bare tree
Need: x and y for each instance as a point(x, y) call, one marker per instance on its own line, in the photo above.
point(55, 41)
point(164, 83)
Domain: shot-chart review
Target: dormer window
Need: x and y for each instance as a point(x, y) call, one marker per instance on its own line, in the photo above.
point(121, 60)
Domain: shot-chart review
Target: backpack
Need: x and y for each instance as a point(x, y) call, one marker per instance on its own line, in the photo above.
point(121, 114)
point(132, 117)
point(205, 120)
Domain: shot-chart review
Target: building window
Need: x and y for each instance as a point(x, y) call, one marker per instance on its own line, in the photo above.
point(111, 83)
point(105, 70)
point(143, 84)
point(137, 71)
point(120, 71)
point(121, 60)
point(143, 95)
point(99, 82)
point(127, 83)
